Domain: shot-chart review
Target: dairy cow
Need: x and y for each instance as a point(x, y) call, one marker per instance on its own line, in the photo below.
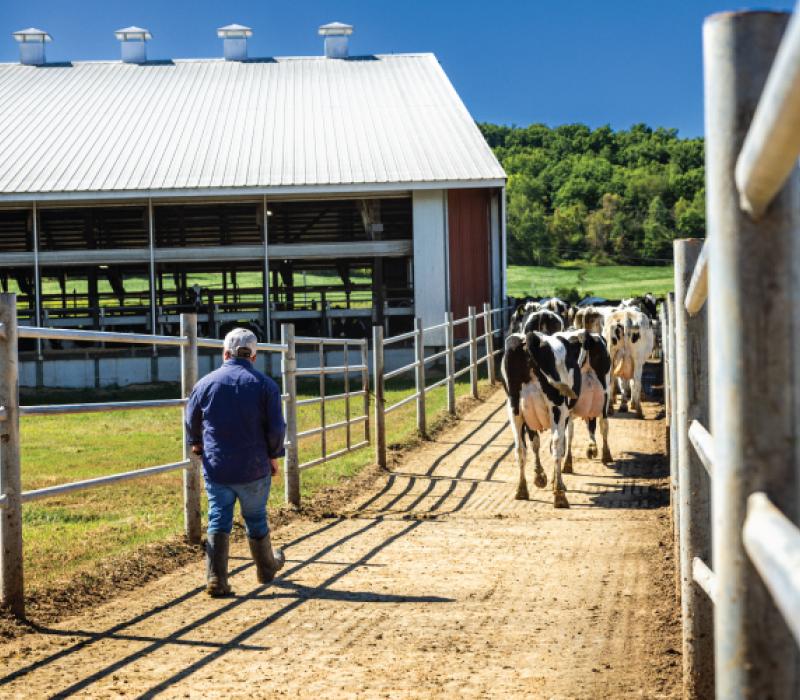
point(630, 339)
point(548, 380)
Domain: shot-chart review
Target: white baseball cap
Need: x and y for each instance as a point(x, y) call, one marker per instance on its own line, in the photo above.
point(238, 340)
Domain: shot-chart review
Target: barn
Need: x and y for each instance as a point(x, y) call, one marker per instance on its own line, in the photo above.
point(333, 191)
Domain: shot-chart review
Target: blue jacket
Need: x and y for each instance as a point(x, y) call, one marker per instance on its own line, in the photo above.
point(235, 414)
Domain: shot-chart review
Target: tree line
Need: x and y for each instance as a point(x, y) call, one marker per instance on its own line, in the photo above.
point(605, 196)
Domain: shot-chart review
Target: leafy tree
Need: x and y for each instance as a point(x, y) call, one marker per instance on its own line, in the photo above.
point(657, 230)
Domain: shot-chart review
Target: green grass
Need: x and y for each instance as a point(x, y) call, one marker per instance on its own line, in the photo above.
point(67, 535)
point(609, 281)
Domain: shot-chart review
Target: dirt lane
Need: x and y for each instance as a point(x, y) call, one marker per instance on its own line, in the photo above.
point(435, 584)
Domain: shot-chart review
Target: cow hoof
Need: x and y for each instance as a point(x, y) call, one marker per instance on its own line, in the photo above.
point(567, 468)
point(640, 414)
point(607, 458)
point(560, 499)
point(610, 410)
point(522, 492)
point(591, 452)
point(540, 480)
point(623, 408)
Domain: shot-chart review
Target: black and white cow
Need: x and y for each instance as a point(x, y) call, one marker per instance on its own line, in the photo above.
point(531, 317)
point(557, 306)
point(629, 337)
point(548, 379)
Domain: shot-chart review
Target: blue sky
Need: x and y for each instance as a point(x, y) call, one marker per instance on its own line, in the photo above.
point(556, 61)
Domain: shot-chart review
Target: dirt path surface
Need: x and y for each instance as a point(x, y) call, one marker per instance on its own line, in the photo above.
point(437, 583)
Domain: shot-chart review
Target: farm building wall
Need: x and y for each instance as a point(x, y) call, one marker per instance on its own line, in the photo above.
point(431, 294)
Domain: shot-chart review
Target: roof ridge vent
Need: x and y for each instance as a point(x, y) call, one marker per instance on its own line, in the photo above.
point(133, 40)
point(31, 45)
point(336, 39)
point(234, 41)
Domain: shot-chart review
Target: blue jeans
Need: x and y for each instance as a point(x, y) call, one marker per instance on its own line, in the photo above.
point(252, 501)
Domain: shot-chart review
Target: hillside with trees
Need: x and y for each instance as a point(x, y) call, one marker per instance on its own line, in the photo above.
point(599, 195)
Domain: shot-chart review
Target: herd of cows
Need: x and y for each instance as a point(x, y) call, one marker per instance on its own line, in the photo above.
point(561, 364)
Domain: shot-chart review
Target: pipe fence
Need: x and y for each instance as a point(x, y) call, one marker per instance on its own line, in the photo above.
point(732, 363)
point(352, 367)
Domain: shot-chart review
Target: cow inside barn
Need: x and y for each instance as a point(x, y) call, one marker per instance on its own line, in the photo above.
point(546, 385)
point(629, 336)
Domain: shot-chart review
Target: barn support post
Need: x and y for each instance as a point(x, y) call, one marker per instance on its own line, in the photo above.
point(488, 329)
point(365, 387)
point(267, 316)
point(473, 352)
point(380, 404)
point(450, 363)
point(694, 492)
point(151, 237)
point(674, 485)
point(419, 374)
point(291, 473)
point(192, 484)
point(754, 396)
point(37, 292)
point(11, 575)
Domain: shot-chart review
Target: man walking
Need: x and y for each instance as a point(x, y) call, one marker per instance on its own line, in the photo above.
point(234, 420)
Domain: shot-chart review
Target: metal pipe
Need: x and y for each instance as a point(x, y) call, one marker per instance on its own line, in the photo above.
point(332, 455)
point(192, 485)
point(473, 353)
point(377, 384)
point(773, 543)
point(450, 364)
point(151, 237)
point(400, 370)
point(291, 475)
point(61, 489)
point(267, 302)
point(770, 150)
point(489, 336)
point(754, 406)
point(100, 336)
point(698, 286)
point(307, 340)
point(673, 449)
point(71, 408)
point(398, 338)
point(365, 388)
point(322, 429)
point(37, 280)
point(12, 591)
point(402, 402)
point(330, 397)
point(703, 444)
point(705, 578)
point(436, 385)
point(321, 403)
point(691, 403)
point(314, 371)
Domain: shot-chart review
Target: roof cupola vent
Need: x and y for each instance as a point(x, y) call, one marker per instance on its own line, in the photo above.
point(336, 39)
point(31, 46)
point(134, 44)
point(234, 44)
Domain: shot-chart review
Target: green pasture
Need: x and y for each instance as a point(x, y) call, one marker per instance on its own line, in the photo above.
point(609, 281)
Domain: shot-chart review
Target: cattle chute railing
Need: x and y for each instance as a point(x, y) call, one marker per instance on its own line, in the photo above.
point(734, 363)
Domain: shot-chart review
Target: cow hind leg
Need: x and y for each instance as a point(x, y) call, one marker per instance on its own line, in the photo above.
point(518, 428)
point(606, 459)
point(636, 393)
point(567, 468)
point(591, 450)
point(624, 389)
point(540, 480)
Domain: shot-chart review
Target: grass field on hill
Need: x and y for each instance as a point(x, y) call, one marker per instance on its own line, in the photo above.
point(67, 535)
point(609, 281)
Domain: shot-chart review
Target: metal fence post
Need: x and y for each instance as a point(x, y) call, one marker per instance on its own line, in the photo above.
point(473, 352)
point(191, 474)
point(691, 399)
point(665, 381)
point(754, 391)
point(291, 473)
point(673, 446)
point(380, 404)
point(11, 575)
point(419, 374)
point(488, 328)
point(365, 386)
point(450, 363)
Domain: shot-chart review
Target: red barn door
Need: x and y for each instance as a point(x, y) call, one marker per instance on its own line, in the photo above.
point(468, 213)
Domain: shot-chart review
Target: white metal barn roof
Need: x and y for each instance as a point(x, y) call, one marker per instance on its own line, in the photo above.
point(212, 127)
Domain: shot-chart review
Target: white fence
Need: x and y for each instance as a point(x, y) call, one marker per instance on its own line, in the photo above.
point(354, 368)
point(733, 359)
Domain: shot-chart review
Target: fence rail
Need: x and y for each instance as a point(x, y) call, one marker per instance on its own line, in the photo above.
point(738, 485)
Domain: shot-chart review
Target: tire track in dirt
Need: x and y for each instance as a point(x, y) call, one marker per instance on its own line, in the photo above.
point(437, 583)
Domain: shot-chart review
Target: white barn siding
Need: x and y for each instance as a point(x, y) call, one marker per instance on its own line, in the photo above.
point(431, 286)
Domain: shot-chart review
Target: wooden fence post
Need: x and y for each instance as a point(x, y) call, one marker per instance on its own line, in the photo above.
point(754, 324)
point(673, 446)
point(694, 501)
point(473, 352)
point(380, 404)
point(488, 328)
point(419, 374)
point(450, 363)
point(11, 574)
point(291, 473)
point(191, 474)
